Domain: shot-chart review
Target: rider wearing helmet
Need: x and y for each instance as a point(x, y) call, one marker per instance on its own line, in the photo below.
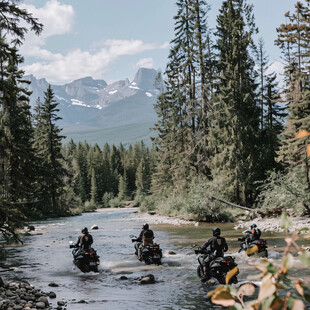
point(253, 234)
point(85, 240)
point(215, 246)
point(145, 238)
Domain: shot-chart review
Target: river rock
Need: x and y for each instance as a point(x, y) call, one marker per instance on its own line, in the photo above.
point(94, 227)
point(40, 305)
point(52, 295)
point(30, 227)
point(53, 284)
point(123, 278)
point(148, 279)
point(61, 303)
point(18, 307)
point(44, 299)
point(171, 253)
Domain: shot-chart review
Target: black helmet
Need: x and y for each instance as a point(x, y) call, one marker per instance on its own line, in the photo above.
point(253, 226)
point(145, 226)
point(216, 231)
point(85, 230)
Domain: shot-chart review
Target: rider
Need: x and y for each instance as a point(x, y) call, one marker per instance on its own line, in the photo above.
point(145, 238)
point(216, 246)
point(85, 240)
point(253, 234)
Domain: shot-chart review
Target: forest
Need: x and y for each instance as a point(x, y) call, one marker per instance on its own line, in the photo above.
point(228, 128)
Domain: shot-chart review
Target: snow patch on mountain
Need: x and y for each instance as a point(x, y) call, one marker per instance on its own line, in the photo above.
point(134, 87)
point(80, 103)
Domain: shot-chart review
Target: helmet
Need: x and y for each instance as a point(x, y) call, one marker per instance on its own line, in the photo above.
point(85, 230)
point(145, 226)
point(216, 231)
point(253, 226)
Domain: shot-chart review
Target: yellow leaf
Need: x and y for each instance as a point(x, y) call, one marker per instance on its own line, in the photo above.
point(247, 289)
point(287, 262)
point(298, 305)
point(267, 288)
point(230, 274)
point(302, 133)
point(299, 288)
point(223, 298)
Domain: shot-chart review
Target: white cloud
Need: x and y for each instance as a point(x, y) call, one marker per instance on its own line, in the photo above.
point(58, 68)
point(58, 19)
point(145, 63)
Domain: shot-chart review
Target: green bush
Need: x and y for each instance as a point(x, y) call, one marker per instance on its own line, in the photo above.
point(284, 191)
point(106, 199)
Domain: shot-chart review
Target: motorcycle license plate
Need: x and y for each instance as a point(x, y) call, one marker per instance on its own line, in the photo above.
point(92, 264)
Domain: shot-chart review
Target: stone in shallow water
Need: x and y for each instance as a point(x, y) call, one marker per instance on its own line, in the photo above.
point(94, 227)
point(52, 295)
point(148, 279)
point(53, 284)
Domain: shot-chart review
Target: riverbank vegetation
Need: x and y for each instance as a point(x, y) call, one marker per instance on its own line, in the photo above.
point(226, 130)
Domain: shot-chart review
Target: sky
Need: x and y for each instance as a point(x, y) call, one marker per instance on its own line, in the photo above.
point(112, 39)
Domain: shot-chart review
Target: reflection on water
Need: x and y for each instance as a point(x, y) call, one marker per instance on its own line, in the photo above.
point(47, 258)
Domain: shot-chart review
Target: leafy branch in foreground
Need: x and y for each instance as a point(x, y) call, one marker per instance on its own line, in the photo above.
point(277, 291)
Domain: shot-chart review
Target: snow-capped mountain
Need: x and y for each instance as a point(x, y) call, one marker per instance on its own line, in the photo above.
point(87, 104)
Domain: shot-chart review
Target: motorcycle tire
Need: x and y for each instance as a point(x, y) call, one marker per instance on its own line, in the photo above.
point(263, 253)
point(200, 272)
point(157, 261)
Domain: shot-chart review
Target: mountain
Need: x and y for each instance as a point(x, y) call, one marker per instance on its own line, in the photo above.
point(122, 111)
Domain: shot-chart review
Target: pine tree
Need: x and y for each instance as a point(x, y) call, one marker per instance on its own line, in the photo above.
point(123, 192)
point(295, 37)
point(17, 132)
point(235, 116)
point(48, 150)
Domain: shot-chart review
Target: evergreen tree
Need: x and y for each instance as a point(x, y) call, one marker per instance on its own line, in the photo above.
point(235, 116)
point(123, 192)
point(48, 150)
point(17, 132)
point(295, 37)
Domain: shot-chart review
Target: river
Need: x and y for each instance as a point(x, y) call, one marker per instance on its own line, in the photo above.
point(46, 258)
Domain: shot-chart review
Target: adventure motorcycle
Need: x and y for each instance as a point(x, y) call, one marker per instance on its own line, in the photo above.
point(223, 269)
point(150, 254)
point(85, 260)
point(255, 247)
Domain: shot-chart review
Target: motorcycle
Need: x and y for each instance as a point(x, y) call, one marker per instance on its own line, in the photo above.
point(223, 269)
point(85, 260)
point(150, 254)
point(255, 247)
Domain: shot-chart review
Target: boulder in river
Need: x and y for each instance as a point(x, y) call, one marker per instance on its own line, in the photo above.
point(148, 279)
point(53, 284)
point(94, 227)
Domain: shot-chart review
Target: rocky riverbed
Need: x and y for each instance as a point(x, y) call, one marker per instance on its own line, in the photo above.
point(24, 296)
point(300, 224)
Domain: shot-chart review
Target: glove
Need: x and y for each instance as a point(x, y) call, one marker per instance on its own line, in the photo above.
point(197, 251)
point(133, 240)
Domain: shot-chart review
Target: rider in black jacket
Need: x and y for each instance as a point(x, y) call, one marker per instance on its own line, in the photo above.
point(216, 246)
point(253, 234)
point(85, 240)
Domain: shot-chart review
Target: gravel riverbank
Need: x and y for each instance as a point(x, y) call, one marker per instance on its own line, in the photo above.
point(301, 224)
point(24, 296)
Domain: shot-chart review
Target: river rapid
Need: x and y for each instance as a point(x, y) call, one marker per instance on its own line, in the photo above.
point(46, 258)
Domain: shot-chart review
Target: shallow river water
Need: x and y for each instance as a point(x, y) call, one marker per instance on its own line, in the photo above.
point(47, 258)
